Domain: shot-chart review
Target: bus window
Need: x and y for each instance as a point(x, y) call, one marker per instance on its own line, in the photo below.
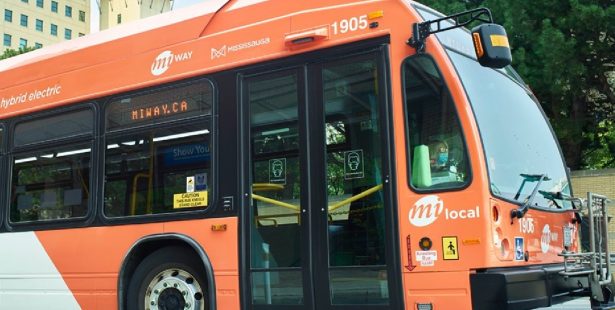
point(65, 125)
point(158, 171)
point(161, 169)
point(438, 156)
point(52, 182)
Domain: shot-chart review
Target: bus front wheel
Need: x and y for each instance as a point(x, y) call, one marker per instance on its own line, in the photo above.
point(171, 278)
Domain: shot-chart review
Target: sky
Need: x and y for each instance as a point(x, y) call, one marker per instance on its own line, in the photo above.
point(94, 18)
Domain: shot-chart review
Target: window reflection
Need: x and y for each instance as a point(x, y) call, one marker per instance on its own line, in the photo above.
point(51, 184)
point(356, 218)
point(158, 171)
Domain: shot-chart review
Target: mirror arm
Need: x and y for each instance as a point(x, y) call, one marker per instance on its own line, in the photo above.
point(420, 31)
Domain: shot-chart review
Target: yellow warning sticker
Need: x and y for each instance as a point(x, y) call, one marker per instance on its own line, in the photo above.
point(449, 248)
point(499, 40)
point(190, 200)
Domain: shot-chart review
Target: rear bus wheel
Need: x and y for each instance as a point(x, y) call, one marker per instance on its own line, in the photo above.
point(171, 278)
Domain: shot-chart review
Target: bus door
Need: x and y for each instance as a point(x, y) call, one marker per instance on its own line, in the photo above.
point(317, 209)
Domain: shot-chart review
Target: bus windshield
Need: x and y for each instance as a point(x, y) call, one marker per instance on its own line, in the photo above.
point(520, 148)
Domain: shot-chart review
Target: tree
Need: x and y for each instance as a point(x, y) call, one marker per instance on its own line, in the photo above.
point(11, 52)
point(564, 50)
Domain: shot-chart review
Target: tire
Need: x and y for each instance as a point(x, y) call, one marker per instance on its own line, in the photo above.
point(171, 278)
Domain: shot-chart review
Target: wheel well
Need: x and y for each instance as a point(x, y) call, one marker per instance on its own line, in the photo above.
point(147, 245)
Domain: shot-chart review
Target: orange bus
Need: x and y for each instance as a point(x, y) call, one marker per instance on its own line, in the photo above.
point(253, 154)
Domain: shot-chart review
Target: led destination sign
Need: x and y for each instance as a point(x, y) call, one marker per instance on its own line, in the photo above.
point(166, 104)
point(159, 110)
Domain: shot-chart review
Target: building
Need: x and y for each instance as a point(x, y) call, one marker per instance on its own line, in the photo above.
point(36, 23)
point(600, 182)
point(116, 12)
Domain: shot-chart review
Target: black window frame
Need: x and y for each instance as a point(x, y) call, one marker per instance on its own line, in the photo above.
point(470, 177)
point(11, 150)
point(214, 208)
point(68, 11)
point(54, 6)
point(2, 139)
point(3, 175)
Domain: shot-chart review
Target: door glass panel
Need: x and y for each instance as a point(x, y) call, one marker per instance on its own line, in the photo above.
point(277, 287)
point(275, 223)
point(357, 259)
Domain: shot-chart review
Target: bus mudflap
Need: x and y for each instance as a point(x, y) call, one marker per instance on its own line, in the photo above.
point(593, 261)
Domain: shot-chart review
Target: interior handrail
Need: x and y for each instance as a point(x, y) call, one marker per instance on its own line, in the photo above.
point(356, 197)
point(275, 202)
point(332, 207)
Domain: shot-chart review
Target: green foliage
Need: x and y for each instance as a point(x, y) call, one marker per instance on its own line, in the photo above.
point(600, 155)
point(564, 50)
point(11, 52)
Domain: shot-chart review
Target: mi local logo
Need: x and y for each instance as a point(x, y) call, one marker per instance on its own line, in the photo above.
point(427, 210)
point(163, 61)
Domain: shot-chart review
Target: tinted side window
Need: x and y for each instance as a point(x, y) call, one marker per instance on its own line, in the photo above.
point(55, 127)
point(158, 158)
point(51, 181)
point(438, 156)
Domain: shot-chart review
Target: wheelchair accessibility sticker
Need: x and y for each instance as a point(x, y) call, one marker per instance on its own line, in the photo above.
point(519, 254)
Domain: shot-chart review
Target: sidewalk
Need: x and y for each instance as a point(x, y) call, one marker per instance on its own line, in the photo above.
point(577, 304)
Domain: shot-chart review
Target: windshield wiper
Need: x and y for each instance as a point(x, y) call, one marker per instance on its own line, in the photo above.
point(554, 197)
point(520, 212)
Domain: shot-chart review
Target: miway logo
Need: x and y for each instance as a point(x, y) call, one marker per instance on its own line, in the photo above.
point(164, 60)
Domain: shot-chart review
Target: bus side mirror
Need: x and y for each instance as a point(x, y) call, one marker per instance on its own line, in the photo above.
point(491, 46)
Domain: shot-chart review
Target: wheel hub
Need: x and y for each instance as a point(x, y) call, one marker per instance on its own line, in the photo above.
point(174, 290)
point(171, 299)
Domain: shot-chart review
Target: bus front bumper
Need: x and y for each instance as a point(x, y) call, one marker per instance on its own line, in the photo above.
point(523, 287)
